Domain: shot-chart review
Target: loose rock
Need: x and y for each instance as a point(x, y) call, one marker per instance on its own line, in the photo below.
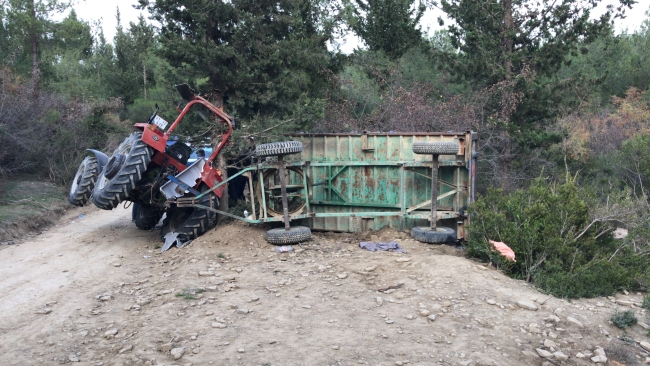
point(110, 333)
point(544, 353)
point(177, 353)
point(560, 356)
point(126, 348)
point(574, 321)
point(528, 305)
point(645, 346)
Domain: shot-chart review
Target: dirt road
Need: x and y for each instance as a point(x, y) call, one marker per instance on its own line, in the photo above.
point(97, 291)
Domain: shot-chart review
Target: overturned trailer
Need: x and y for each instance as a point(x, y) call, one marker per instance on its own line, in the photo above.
point(361, 182)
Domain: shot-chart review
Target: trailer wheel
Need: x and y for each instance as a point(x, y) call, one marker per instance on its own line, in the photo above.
point(127, 165)
point(294, 235)
point(278, 148)
point(83, 182)
point(439, 235)
point(145, 217)
point(191, 222)
point(435, 148)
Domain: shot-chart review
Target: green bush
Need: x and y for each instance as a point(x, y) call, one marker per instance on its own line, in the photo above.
point(624, 319)
point(560, 243)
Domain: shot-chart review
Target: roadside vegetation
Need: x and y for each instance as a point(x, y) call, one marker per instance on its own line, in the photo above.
point(559, 99)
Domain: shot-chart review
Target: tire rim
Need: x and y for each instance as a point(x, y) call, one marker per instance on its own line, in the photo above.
point(114, 165)
point(296, 205)
point(101, 181)
point(77, 178)
point(178, 216)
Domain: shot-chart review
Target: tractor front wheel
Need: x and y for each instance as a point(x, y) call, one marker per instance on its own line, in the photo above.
point(84, 182)
point(145, 217)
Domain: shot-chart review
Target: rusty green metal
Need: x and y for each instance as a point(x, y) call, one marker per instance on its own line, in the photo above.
point(352, 173)
point(360, 182)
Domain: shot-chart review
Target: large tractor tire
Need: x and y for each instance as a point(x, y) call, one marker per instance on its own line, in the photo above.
point(439, 235)
point(122, 172)
point(294, 235)
point(83, 182)
point(191, 222)
point(278, 148)
point(145, 217)
point(435, 148)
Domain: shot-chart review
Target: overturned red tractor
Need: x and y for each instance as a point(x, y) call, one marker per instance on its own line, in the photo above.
point(151, 174)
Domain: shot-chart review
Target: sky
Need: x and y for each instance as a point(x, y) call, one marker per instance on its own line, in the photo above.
point(105, 10)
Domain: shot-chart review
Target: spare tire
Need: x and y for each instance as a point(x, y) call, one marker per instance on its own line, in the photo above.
point(145, 217)
point(83, 182)
point(125, 168)
point(278, 148)
point(435, 148)
point(440, 235)
point(191, 222)
point(294, 235)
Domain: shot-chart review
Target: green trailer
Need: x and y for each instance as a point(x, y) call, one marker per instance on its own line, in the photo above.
point(362, 182)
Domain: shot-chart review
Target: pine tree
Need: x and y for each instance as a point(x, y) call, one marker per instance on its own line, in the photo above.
point(390, 26)
point(258, 57)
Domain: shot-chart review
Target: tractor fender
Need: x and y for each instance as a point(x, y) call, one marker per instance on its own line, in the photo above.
point(102, 159)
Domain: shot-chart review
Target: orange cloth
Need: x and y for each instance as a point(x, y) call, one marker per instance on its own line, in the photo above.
point(504, 250)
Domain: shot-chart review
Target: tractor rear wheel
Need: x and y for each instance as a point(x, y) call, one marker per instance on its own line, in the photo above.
point(83, 182)
point(145, 217)
point(191, 222)
point(122, 172)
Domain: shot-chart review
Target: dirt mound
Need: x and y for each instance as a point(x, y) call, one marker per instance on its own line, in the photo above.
point(99, 291)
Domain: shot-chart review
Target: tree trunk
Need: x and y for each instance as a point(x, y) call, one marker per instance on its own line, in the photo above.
point(507, 40)
point(222, 164)
point(36, 73)
point(144, 79)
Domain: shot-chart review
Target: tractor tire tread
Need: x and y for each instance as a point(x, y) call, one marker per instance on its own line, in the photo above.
point(87, 176)
point(146, 217)
point(197, 224)
point(118, 188)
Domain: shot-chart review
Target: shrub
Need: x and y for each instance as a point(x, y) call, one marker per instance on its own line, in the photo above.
point(624, 319)
point(561, 239)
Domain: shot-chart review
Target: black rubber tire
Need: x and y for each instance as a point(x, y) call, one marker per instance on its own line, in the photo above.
point(84, 182)
point(441, 235)
point(278, 148)
point(145, 217)
point(435, 148)
point(191, 222)
point(295, 235)
point(108, 193)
